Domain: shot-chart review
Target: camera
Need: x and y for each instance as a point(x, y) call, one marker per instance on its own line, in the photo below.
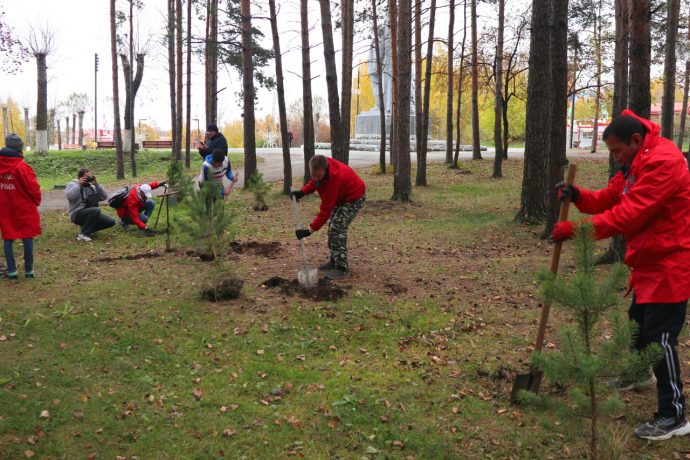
point(90, 179)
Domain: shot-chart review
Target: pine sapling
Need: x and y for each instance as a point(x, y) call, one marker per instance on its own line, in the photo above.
point(178, 181)
point(590, 354)
point(206, 221)
point(259, 188)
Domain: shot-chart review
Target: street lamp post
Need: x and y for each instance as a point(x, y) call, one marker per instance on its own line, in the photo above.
point(198, 131)
point(141, 135)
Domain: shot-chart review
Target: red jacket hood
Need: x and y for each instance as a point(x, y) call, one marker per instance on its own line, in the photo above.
point(653, 130)
point(9, 160)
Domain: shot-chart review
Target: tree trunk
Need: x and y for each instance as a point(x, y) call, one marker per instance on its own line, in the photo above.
point(74, 128)
point(27, 128)
point(451, 83)
point(498, 103)
point(535, 183)
point(307, 111)
point(640, 58)
point(188, 120)
point(5, 124)
point(331, 81)
point(418, 101)
point(42, 105)
point(130, 143)
point(284, 136)
point(248, 92)
point(117, 134)
point(177, 139)
point(461, 79)
point(50, 133)
point(67, 130)
point(126, 68)
point(211, 55)
point(669, 97)
point(347, 14)
point(171, 74)
point(59, 134)
point(559, 108)
point(379, 75)
point(421, 154)
point(597, 95)
point(476, 148)
point(81, 127)
point(393, 18)
point(402, 184)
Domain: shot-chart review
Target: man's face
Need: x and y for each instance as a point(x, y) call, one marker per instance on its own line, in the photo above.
point(217, 164)
point(624, 153)
point(318, 174)
point(211, 134)
point(142, 196)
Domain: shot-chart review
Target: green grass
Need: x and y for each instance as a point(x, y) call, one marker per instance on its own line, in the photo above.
point(60, 167)
point(115, 351)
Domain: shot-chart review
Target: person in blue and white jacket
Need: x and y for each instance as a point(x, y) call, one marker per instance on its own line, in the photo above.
point(216, 166)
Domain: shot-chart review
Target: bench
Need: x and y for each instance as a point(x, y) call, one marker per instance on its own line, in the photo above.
point(157, 144)
point(105, 145)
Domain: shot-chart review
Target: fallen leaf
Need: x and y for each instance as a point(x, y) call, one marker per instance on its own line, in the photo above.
point(223, 409)
point(501, 411)
point(372, 450)
point(264, 328)
point(2, 339)
point(398, 444)
point(228, 432)
point(198, 393)
point(62, 345)
point(28, 453)
point(78, 413)
point(259, 352)
point(56, 402)
point(301, 357)
point(234, 406)
point(91, 456)
point(33, 440)
point(45, 414)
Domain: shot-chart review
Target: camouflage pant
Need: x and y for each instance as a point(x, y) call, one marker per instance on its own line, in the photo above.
point(341, 218)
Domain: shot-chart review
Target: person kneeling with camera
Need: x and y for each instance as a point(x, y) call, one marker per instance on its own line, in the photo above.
point(84, 193)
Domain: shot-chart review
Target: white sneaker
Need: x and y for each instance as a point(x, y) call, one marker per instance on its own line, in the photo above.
point(82, 237)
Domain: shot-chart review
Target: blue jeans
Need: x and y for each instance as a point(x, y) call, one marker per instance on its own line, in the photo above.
point(144, 213)
point(28, 256)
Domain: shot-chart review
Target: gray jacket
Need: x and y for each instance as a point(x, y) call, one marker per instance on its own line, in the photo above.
point(78, 196)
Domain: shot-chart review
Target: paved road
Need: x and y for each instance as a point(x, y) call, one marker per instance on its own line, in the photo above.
point(272, 167)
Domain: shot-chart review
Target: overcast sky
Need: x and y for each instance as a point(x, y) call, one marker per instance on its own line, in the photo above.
point(82, 29)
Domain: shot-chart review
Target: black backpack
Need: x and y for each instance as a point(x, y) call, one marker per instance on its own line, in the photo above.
point(117, 200)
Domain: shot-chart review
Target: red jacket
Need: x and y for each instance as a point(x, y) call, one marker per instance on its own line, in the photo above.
point(651, 208)
point(133, 204)
point(20, 196)
point(341, 186)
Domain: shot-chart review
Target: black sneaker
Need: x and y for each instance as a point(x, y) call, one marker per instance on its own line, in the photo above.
point(336, 273)
point(13, 276)
point(327, 266)
point(662, 428)
point(29, 275)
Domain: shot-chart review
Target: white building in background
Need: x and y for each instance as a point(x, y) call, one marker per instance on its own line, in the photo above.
point(583, 133)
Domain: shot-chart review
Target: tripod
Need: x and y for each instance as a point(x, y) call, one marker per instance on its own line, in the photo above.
point(166, 199)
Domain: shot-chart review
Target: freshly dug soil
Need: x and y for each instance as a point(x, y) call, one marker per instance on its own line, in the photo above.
point(325, 290)
point(269, 250)
point(227, 289)
point(143, 255)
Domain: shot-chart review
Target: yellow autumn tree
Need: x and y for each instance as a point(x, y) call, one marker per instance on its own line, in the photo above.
point(15, 120)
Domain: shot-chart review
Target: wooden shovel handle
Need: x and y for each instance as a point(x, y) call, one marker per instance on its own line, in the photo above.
point(555, 261)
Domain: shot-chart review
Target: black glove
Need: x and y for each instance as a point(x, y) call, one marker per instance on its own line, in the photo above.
point(297, 195)
point(149, 232)
point(302, 233)
point(566, 191)
point(162, 184)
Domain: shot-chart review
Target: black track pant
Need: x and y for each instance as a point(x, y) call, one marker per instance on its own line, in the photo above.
point(661, 323)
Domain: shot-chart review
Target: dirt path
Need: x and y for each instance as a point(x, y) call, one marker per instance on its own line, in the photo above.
point(272, 168)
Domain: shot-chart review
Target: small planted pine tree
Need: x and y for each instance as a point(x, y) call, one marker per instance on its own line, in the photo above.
point(587, 359)
point(259, 188)
point(178, 181)
point(206, 221)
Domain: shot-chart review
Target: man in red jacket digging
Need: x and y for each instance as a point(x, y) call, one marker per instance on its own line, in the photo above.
point(648, 202)
point(342, 194)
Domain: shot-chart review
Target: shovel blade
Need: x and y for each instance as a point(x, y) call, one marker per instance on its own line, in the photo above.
point(527, 382)
point(308, 277)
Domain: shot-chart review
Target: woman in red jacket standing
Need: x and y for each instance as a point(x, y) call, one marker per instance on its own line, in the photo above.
point(648, 202)
point(20, 196)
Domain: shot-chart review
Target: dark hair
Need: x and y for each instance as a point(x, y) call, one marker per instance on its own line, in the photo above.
point(318, 162)
point(623, 127)
point(218, 156)
point(81, 172)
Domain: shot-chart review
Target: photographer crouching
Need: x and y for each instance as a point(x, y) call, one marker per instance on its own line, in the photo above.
point(84, 193)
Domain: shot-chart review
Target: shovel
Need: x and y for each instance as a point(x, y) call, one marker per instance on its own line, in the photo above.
point(532, 380)
point(307, 277)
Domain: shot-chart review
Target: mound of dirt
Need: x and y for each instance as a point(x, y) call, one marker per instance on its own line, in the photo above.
point(227, 289)
point(143, 255)
point(325, 290)
point(269, 250)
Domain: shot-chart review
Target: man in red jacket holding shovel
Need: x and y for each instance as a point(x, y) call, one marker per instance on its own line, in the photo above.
point(648, 202)
point(342, 194)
